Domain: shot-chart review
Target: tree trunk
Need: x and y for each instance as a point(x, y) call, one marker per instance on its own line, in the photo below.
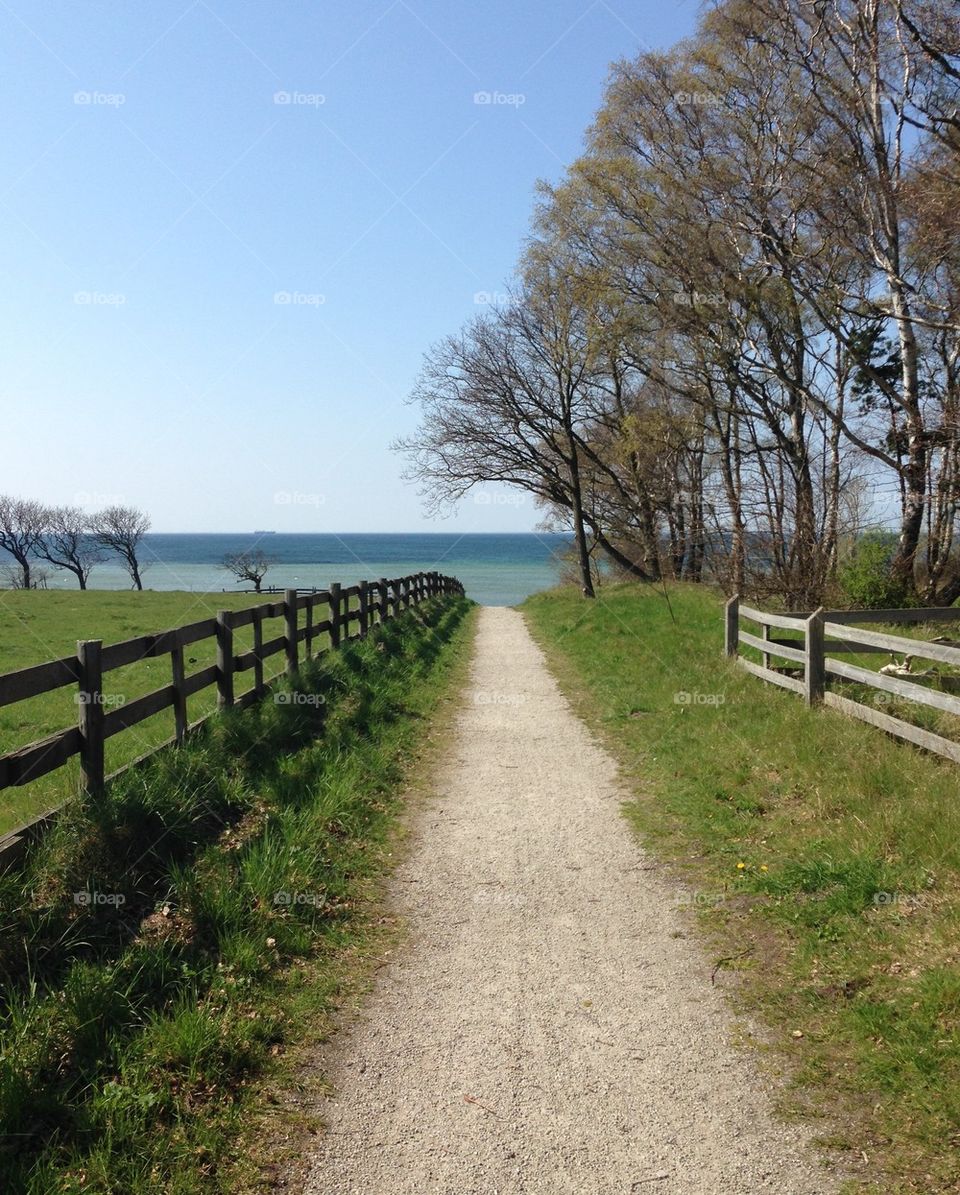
point(915, 470)
point(579, 531)
point(628, 565)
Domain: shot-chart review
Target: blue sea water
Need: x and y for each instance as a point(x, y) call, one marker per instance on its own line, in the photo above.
point(497, 570)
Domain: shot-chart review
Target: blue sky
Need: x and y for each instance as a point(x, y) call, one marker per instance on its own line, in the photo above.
point(230, 230)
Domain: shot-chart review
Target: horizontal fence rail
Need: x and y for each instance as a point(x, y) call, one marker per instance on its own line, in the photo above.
point(824, 634)
point(351, 612)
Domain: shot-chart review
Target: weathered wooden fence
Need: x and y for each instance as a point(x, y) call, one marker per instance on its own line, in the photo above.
point(351, 611)
point(829, 633)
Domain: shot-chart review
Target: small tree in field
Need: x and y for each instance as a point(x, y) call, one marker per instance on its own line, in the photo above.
point(21, 528)
point(248, 566)
point(69, 543)
point(120, 529)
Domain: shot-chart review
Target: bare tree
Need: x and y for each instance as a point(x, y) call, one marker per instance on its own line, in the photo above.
point(21, 529)
point(68, 542)
point(252, 566)
point(504, 401)
point(120, 529)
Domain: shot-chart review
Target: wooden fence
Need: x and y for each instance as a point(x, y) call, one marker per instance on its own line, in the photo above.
point(351, 612)
point(829, 633)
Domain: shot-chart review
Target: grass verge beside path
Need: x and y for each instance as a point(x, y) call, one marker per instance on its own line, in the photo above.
point(166, 942)
point(823, 857)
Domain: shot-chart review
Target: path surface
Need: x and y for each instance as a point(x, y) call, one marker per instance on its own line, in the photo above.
point(543, 1029)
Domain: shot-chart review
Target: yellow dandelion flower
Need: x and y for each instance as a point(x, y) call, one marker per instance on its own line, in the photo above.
point(741, 866)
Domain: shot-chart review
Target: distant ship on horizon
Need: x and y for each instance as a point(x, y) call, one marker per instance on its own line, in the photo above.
point(261, 532)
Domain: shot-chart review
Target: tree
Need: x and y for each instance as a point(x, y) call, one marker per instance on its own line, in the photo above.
point(500, 402)
point(252, 566)
point(868, 70)
point(21, 529)
point(741, 307)
point(68, 542)
point(120, 529)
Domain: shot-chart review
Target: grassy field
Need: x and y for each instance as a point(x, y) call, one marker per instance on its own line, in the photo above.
point(40, 625)
point(823, 857)
point(170, 942)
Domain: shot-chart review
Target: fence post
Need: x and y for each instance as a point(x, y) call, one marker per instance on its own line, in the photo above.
point(90, 698)
point(290, 635)
point(335, 614)
point(364, 609)
point(179, 697)
point(258, 651)
point(384, 614)
point(814, 672)
point(224, 660)
point(308, 627)
point(731, 637)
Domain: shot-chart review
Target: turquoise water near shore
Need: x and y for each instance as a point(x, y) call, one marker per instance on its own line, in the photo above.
point(497, 570)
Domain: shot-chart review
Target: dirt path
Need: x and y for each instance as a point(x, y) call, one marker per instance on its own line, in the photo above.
point(544, 1029)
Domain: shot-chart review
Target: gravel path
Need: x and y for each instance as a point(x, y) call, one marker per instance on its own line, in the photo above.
point(545, 1029)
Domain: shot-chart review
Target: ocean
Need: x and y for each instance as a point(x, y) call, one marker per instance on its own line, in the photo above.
point(497, 570)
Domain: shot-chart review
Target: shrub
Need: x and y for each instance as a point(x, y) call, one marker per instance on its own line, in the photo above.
point(866, 580)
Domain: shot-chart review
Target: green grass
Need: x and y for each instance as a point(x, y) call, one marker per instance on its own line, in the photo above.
point(137, 1034)
point(40, 625)
point(825, 858)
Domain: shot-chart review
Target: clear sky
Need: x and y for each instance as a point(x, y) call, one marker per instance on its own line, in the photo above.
point(215, 301)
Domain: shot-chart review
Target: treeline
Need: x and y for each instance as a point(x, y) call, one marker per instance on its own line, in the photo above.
point(69, 538)
point(734, 339)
